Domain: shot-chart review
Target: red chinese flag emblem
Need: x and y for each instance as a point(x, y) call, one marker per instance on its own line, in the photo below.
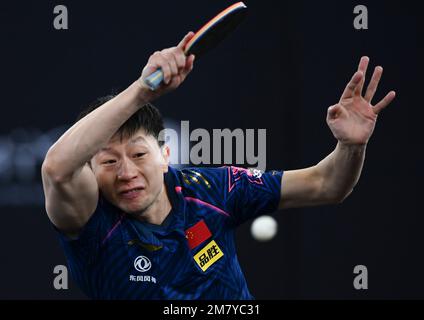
point(197, 234)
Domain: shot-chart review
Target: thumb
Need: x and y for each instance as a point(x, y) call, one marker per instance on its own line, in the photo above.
point(334, 111)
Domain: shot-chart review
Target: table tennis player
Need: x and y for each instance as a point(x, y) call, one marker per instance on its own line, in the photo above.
point(133, 227)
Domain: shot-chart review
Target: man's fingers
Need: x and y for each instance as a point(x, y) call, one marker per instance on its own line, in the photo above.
point(189, 66)
point(159, 60)
point(384, 102)
point(172, 61)
point(190, 62)
point(372, 87)
point(170, 58)
point(186, 39)
point(363, 65)
point(351, 86)
point(178, 55)
point(180, 58)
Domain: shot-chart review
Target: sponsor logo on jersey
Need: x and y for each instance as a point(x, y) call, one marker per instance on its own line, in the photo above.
point(142, 264)
point(210, 254)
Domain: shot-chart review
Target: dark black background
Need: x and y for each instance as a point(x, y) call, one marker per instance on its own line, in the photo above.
point(280, 71)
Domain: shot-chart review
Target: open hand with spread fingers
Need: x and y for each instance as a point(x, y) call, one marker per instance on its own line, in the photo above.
point(352, 119)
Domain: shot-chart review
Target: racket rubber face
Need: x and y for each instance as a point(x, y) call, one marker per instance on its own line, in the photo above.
point(216, 30)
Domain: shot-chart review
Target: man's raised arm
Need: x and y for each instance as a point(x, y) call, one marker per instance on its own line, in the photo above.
point(70, 186)
point(352, 122)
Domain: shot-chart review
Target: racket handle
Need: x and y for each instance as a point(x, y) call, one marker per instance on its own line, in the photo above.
point(154, 80)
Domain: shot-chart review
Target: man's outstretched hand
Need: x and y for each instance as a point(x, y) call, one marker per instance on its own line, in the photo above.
point(353, 119)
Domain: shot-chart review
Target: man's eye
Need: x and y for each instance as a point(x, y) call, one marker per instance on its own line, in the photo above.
point(139, 155)
point(111, 161)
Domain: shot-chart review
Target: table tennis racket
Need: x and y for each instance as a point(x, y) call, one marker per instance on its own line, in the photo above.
point(207, 37)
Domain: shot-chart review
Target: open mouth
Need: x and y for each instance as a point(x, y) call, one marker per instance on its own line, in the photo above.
point(131, 194)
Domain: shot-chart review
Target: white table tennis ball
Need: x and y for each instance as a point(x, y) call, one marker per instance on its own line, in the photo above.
point(264, 228)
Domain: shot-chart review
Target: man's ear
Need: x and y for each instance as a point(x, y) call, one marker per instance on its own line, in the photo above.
point(165, 154)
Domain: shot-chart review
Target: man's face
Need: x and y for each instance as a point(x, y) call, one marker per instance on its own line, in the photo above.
point(130, 172)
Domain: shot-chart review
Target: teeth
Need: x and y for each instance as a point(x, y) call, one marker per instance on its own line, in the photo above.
point(132, 190)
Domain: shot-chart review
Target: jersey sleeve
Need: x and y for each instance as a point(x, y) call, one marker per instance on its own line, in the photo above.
point(251, 193)
point(84, 248)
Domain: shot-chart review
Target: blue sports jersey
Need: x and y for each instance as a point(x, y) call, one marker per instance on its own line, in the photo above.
point(192, 255)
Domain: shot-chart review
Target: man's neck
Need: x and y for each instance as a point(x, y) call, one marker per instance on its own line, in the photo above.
point(157, 212)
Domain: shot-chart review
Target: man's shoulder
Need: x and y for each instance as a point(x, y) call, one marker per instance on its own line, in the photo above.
point(201, 182)
point(211, 177)
point(207, 177)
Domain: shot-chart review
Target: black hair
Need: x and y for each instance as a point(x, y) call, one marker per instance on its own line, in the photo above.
point(147, 118)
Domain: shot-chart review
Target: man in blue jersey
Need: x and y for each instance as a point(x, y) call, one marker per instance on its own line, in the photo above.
point(133, 227)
